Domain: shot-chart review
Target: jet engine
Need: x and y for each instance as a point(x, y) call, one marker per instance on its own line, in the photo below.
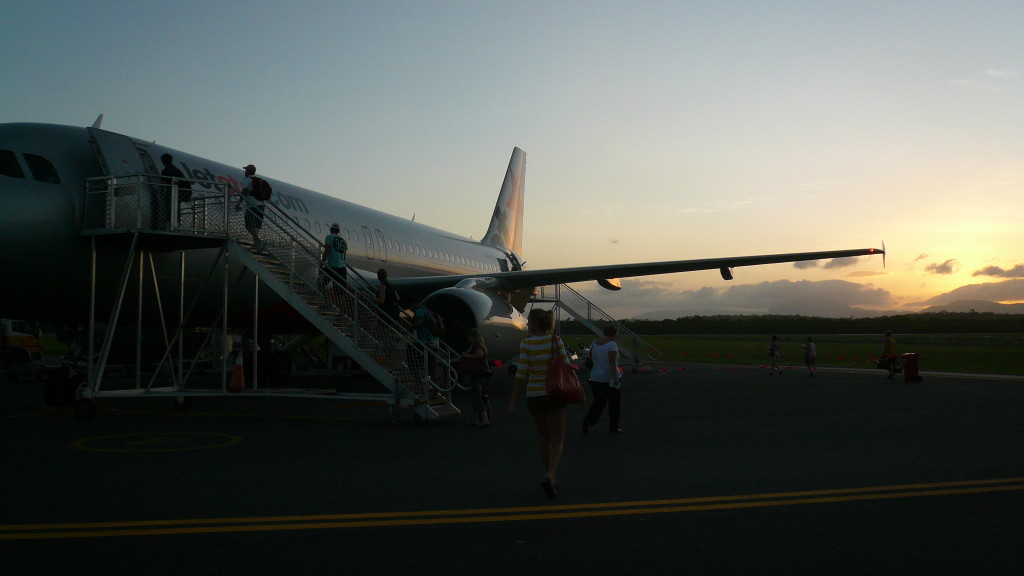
point(464, 307)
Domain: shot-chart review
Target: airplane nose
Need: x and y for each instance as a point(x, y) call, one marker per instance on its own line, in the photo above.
point(41, 246)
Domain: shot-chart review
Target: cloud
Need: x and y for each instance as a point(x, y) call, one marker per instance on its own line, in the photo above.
point(948, 267)
point(1007, 291)
point(834, 263)
point(974, 85)
point(866, 273)
point(1002, 74)
point(840, 263)
point(915, 261)
point(1015, 272)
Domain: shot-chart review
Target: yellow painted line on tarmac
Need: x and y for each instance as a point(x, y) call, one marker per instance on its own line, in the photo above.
point(245, 415)
point(479, 515)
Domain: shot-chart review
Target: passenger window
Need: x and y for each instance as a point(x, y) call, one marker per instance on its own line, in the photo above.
point(9, 165)
point(42, 169)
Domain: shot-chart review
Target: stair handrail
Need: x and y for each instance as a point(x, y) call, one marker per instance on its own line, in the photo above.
point(444, 354)
point(121, 203)
point(593, 310)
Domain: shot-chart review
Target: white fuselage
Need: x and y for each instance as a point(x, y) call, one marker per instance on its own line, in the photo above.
point(47, 260)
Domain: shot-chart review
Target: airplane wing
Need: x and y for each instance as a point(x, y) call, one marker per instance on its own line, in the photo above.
point(532, 278)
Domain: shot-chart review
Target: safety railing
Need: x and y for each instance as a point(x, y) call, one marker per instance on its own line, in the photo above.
point(287, 250)
point(590, 314)
point(155, 203)
point(350, 305)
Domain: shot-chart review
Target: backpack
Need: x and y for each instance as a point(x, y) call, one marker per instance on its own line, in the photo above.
point(261, 189)
point(435, 323)
point(184, 191)
point(392, 301)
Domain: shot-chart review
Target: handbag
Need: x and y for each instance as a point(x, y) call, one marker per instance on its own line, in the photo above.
point(560, 380)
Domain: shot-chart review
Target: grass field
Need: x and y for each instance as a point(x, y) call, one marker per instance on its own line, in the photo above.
point(969, 353)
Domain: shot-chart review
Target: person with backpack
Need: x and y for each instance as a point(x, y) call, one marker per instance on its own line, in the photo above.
point(172, 171)
point(387, 297)
point(255, 193)
point(172, 174)
point(424, 326)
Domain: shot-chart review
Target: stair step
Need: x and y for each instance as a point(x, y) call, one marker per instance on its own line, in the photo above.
point(445, 409)
point(388, 357)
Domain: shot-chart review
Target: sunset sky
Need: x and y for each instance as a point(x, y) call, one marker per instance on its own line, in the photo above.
point(654, 130)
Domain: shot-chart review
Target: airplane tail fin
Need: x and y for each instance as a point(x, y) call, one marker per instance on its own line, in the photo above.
point(506, 228)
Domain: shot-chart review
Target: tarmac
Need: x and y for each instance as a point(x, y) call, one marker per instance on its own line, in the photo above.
point(719, 470)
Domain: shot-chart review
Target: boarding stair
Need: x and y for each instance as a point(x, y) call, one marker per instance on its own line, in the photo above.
point(287, 260)
point(635, 350)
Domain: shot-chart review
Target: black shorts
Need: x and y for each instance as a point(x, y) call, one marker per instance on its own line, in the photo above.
point(254, 217)
point(545, 403)
point(340, 275)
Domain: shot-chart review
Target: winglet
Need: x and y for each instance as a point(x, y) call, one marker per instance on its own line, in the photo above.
point(99, 120)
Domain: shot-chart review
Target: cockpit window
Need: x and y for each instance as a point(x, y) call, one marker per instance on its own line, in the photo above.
point(9, 165)
point(42, 169)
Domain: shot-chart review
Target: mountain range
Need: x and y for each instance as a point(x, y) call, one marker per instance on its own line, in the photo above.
point(824, 308)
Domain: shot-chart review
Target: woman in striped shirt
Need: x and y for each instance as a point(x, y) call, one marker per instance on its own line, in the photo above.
point(548, 412)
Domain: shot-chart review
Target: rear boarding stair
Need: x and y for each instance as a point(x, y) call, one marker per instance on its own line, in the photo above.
point(634, 349)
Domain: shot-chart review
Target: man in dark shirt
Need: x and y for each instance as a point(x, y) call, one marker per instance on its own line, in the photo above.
point(171, 171)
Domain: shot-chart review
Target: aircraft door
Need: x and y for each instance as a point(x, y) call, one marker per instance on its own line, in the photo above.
point(382, 246)
point(126, 165)
point(368, 242)
point(118, 154)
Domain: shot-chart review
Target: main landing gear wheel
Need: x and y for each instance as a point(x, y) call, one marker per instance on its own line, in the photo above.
point(85, 408)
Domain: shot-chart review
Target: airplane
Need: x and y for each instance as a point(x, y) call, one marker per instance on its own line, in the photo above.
point(473, 284)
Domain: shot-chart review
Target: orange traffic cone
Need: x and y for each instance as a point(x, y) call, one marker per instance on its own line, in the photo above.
point(238, 375)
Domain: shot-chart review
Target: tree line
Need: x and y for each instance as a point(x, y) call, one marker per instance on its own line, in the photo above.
point(919, 323)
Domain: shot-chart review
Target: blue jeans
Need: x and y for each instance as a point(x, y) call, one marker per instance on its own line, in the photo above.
point(476, 393)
